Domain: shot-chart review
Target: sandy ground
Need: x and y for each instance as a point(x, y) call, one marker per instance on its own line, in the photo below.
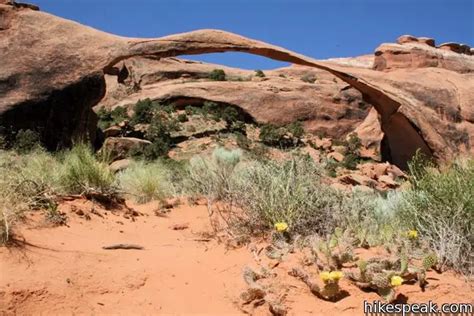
point(64, 270)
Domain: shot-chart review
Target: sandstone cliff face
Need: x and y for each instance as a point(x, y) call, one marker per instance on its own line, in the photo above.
point(55, 71)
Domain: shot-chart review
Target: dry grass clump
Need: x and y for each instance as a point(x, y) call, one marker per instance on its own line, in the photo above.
point(82, 172)
point(212, 177)
point(291, 192)
point(35, 180)
point(440, 206)
point(147, 181)
point(26, 183)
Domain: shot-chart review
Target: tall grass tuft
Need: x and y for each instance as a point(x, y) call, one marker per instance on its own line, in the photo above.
point(82, 172)
point(212, 177)
point(147, 181)
point(440, 206)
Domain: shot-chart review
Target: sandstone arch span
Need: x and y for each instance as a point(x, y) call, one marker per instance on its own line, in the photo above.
point(55, 70)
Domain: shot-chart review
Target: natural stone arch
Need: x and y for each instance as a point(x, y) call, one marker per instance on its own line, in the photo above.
point(76, 68)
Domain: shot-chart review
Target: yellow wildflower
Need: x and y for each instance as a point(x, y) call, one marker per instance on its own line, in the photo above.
point(396, 281)
point(325, 276)
point(412, 234)
point(281, 227)
point(336, 275)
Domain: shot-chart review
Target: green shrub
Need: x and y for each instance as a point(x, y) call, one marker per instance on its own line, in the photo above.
point(259, 73)
point(143, 112)
point(145, 182)
point(26, 141)
point(229, 115)
point(210, 108)
point(353, 143)
point(440, 207)
point(81, 172)
point(296, 129)
point(108, 118)
point(272, 135)
point(159, 133)
point(242, 141)
point(217, 75)
point(192, 110)
point(182, 118)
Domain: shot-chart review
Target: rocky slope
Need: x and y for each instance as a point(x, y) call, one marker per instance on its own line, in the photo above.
point(419, 108)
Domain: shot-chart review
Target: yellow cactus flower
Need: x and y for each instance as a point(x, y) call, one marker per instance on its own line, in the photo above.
point(412, 234)
point(325, 276)
point(396, 281)
point(336, 275)
point(281, 227)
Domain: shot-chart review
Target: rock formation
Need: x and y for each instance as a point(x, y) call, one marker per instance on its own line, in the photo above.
point(54, 74)
point(326, 106)
point(420, 52)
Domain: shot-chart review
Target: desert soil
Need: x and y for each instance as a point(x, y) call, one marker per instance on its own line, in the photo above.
point(64, 270)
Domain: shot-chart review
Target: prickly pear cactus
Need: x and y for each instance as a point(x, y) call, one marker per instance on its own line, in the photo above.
point(387, 293)
point(430, 261)
point(330, 291)
point(381, 280)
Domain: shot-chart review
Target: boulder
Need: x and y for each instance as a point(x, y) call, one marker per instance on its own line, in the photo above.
point(357, 179)
point(388, 181)
point(322, 143)
point(121, 147)
point(452, 47)
point(113, 131)
point(120, 165)
point(336, 156)
point(412, 39)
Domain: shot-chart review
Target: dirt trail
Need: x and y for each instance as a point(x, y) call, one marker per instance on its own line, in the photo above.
point(66, 271)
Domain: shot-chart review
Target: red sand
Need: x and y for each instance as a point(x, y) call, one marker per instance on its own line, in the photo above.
point(65, 270)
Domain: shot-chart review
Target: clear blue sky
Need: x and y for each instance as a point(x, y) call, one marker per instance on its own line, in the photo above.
point(317, 28)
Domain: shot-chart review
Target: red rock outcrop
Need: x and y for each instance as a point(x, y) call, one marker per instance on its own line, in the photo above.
point(420, 52)
point(55, 70)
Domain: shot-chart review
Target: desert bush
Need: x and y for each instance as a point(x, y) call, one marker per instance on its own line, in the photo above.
point(217, 75)
point(182, 118)
point(270, 134)
point(351, 158)
point(81, 172)
point(146, 181)
point(159, 133)
point(283, 137)
point(292, 192)
point(439, 205)
point(26, 141)
point(211, 177)
point(242, 141)
point(259, 73)
point(296, 129)
point(108, 118)
point(209, 108)
point(143, 112)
